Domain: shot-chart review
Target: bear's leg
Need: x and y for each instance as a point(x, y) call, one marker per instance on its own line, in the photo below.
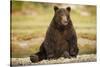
point(49, 50)
point(49, 53)
point(34, 58)
point(40, 55)
point(74, 51)
point(37, 57)
point(66, 54)
point(73, 48)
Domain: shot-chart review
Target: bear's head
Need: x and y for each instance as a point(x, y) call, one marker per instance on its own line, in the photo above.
point(62, 15)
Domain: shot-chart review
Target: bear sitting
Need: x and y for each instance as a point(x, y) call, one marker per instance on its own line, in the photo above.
point(60, 39)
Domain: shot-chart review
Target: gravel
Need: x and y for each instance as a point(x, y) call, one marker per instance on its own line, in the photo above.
point(80, 58)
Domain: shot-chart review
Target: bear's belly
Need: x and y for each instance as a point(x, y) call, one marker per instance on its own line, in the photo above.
point(61, 47)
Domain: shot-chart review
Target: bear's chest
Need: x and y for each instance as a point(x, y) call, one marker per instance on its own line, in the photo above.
point(66, 35)
point(61, 40)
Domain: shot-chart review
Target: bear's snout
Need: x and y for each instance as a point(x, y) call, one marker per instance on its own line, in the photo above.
point(64, 20)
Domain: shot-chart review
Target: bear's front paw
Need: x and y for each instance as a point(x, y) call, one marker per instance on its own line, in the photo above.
point(74, 52)
point(50, 56)
point(66, 55)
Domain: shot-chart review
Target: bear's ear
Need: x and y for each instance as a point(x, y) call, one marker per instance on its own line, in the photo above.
point(68, 9)
point(55, 8)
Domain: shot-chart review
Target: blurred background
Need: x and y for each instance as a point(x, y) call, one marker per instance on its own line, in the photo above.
point(30, 20)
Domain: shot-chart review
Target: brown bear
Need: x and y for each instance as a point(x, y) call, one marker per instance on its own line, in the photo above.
point(60, 39)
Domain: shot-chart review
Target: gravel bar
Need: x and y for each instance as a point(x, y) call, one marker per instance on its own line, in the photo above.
point(80, 58)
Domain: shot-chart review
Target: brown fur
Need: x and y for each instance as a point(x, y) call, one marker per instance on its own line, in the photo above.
point(60, 39)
